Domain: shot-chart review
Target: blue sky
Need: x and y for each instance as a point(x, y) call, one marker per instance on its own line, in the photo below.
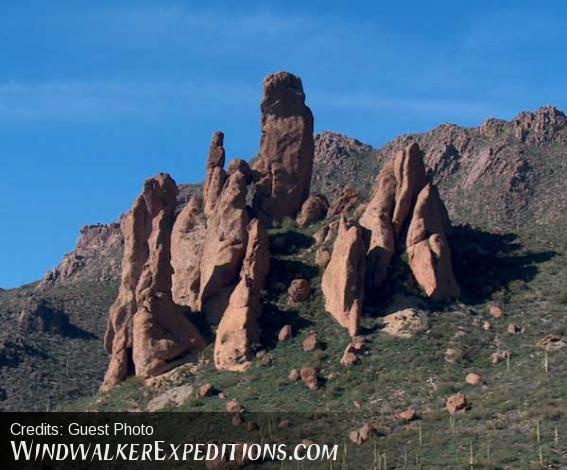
point(97, 96)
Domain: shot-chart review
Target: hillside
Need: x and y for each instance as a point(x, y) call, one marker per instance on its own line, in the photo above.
point(504, 188)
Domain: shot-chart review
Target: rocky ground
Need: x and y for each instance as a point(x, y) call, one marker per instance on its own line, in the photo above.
point(461, 355)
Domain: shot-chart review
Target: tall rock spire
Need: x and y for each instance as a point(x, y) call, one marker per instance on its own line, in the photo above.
point(286, 148)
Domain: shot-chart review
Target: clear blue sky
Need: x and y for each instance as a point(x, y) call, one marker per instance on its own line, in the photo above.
point(97, 96)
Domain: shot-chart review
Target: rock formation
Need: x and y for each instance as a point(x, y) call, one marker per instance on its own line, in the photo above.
point(187, 239)
point(345, 201)
point(286, 148)
point(313, 209)
point(216, 176)
point(224, 247)
point(238, 329)
point(145, 328)
point(343, 279)
point(96, 257)
point(407, 212)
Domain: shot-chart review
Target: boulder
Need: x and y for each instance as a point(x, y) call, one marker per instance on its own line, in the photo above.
point(216, 176)
point(238, 329)
point(343, 279)
point(145, 328)
point(205, 390)
point(170, 398)
point(430, 262)
point(294, 375)
point(286, 148)
point(322, 257)
point(313, 209)
point(408, 415)
point(347, 199)
point(361, 435)
point(309, 377)
point(298, 291)
point(310, 343)
point(187, 239)
point(457, 403)
point(405, 323)
point(473, 379)
point(552, 342)
point(285, 333)
point(495, 311)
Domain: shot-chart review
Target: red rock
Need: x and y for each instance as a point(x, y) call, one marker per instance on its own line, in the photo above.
point(345, 201)
point(285, 333)
point(457, 403)
point(216, 176)
point(344, 277)
point(238, 329)
point(145, 328)
point(361, 435)
point(408, 415)
point(299, 291)
point(310, 343)
point(309, 377)
point(473, 379)
point(205, 390)
point(495, 311)
point(499, 356)
point(322, 257)
point(233, 407)
point(286, 148)
point(313, 209)
point(294, 375)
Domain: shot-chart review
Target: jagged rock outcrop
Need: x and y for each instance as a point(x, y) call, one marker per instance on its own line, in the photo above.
point(96, 257)
point(344, 202)
point(224, 247)
point(407, 212)
point(286, 148)
point(343, 279)
point(238, 329)
point(216, 176)
point(39, 315)
point(427, 246)
point(145, 328)
point(313, 209)
point(187, 239)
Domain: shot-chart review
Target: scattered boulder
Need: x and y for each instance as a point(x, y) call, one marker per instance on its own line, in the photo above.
point(286, 148)
point(349, 356)
point(233, 407)
point(486, 325)
point(313, 210)
point(299, 291)
point(309, 377)
point(285, 333)
point(495, 311)
point(513, 329)
point(405, 323)
point(238, 329)
point(343, 279)
point(473, 379)
point(345, 201)
point(552, 343)
point(457, 403)
point(360, 436)
point(408, 415)
point(499, 356)
point(294, 375)
point(205, 390)
point(310, 343)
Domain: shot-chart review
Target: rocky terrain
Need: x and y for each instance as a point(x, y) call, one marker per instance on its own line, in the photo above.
point(416, 285)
